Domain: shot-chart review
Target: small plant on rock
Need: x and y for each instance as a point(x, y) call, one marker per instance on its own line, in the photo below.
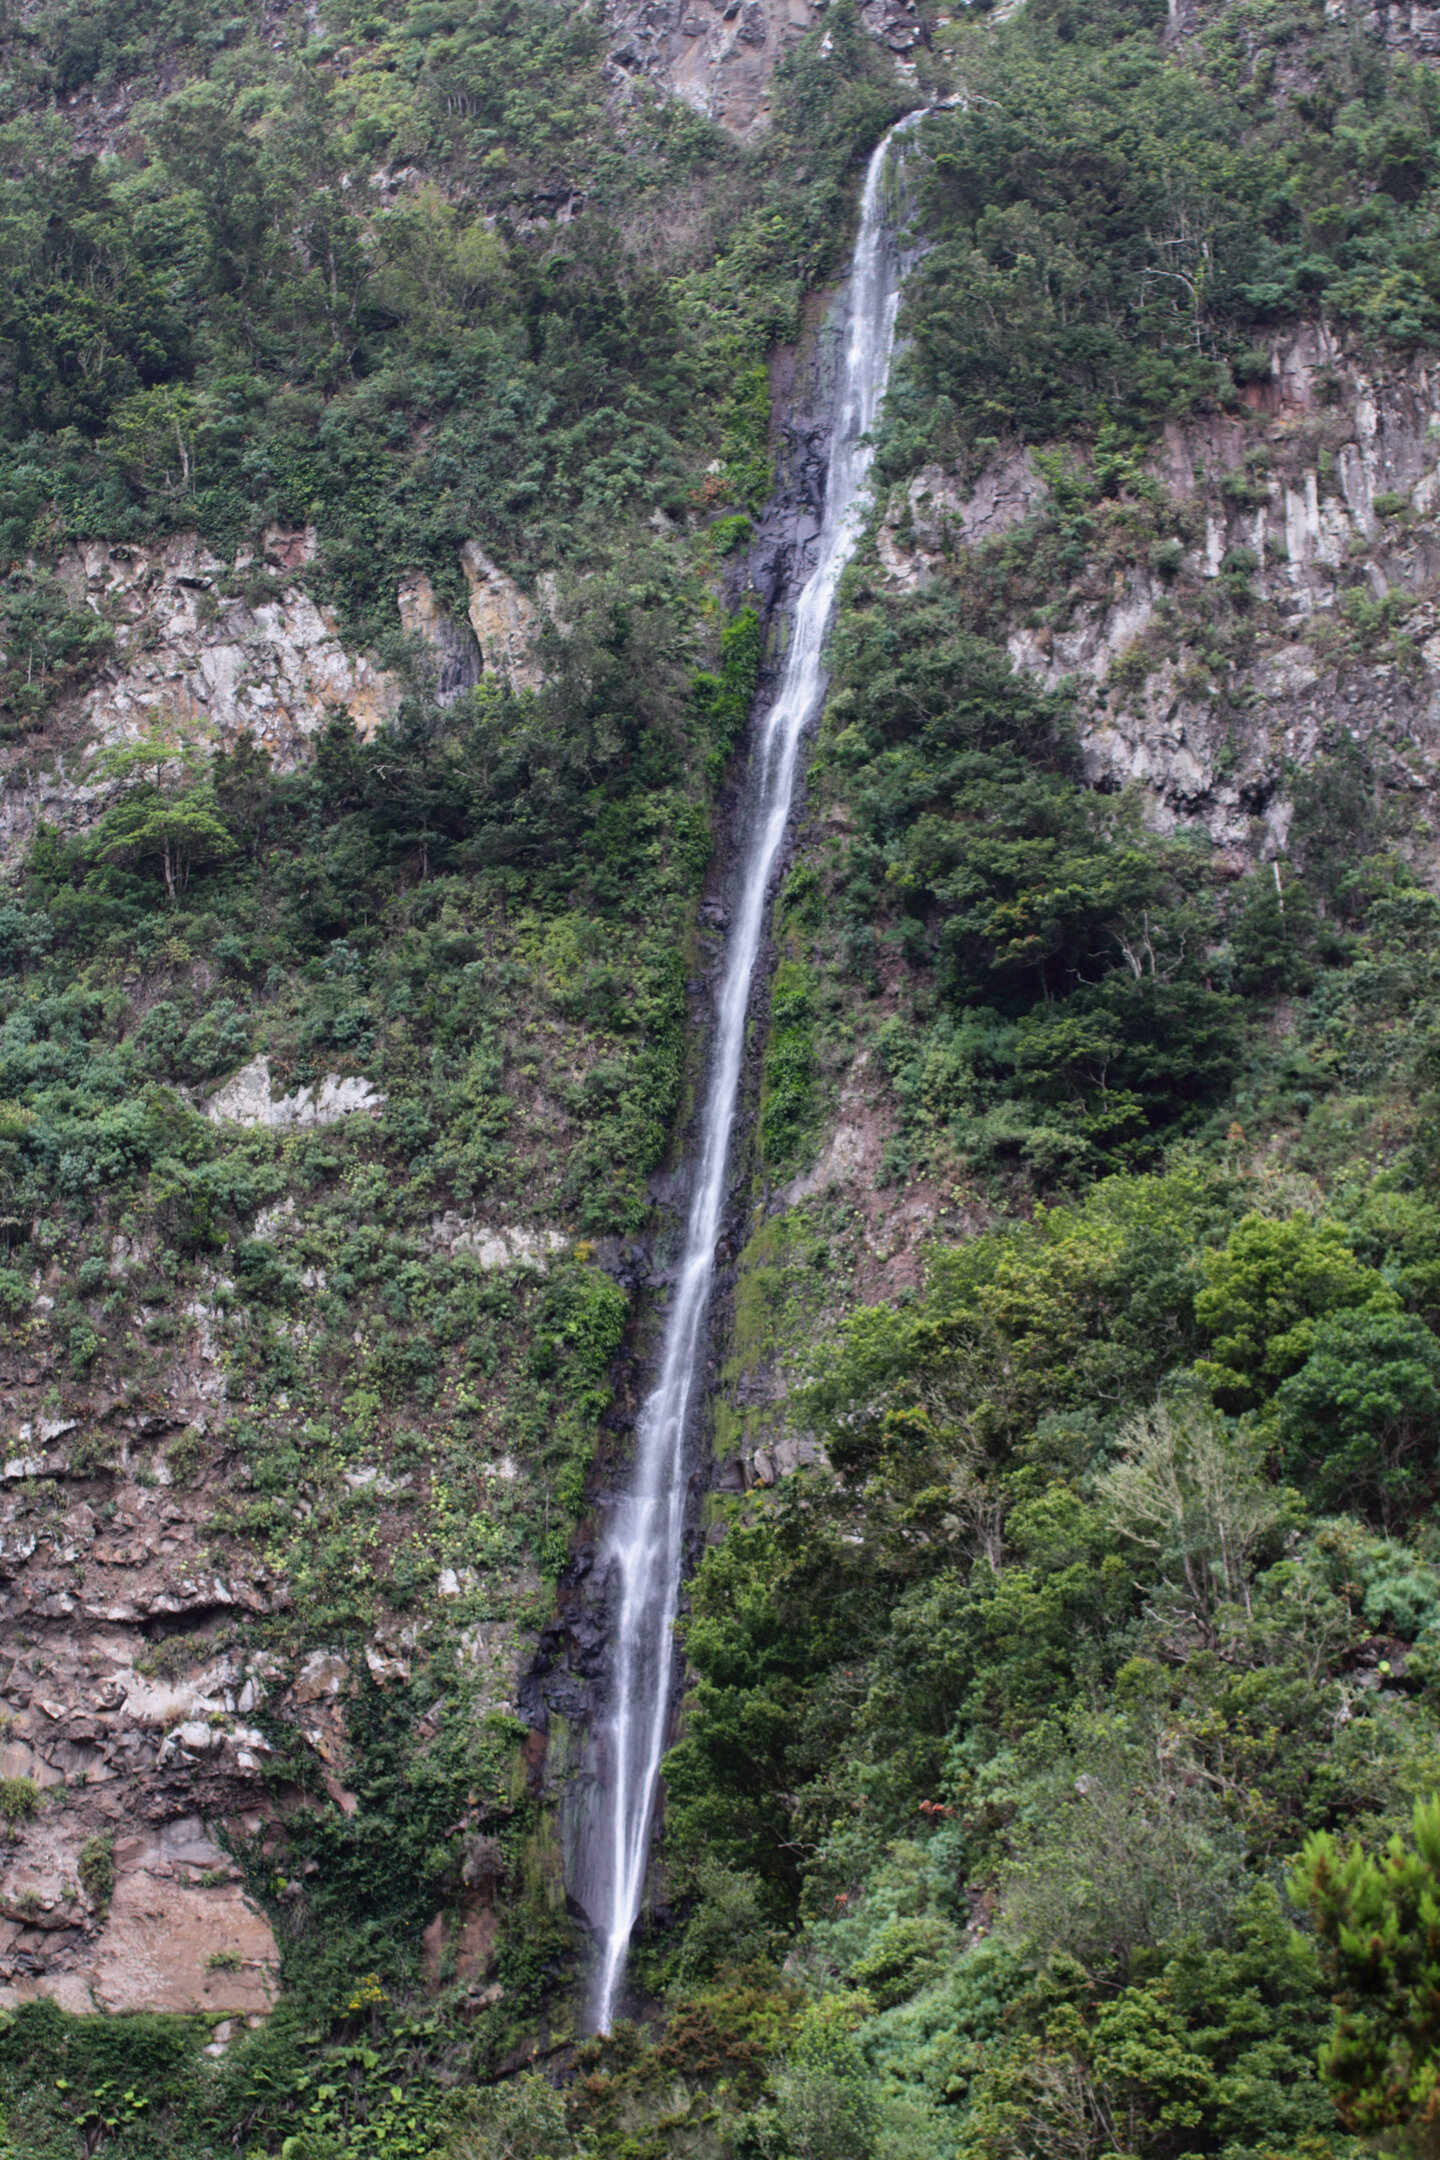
point(97, 1869)
point(19, 1800)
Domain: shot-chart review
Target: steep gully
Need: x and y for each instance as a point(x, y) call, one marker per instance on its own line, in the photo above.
point(640, 1563)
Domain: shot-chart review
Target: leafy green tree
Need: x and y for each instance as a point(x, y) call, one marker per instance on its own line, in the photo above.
point(1264, 1291)
point(903, 1957)
point(436, 270)
point(152, 435)
point(1273, 932)
point(1360, 1420)
point(1378, 1920)
point(1191, 1494)
point(1399, 1232)
point(824, 2105)
point(165, 815)
point(1129, 1854)
point(521, 2119)
point(727, 1927)
point(1213, 2052)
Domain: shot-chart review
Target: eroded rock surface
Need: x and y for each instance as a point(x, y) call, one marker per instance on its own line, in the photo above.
point(115, 1892)
point(133, 1713)
point(720, 56)
point(211, 654)
point(457, 656)
point(1318, 498)
point(936, 515)
point(247, 1099)
point(717, 55)
point(503, 619)
point(1403, 26)
point(175, 1933)
point(510, 1246)
point(268, 663)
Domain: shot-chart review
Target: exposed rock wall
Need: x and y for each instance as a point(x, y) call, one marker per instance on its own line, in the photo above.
point(247, 1098)
point(1404, 25)
point(720, 55)
point(503, 619)
point(151, 1713)
point(135, 1710)
point(216, 653)
point(98, 1565)
point(1313, 503)
point(459, 661)
point(267, 663)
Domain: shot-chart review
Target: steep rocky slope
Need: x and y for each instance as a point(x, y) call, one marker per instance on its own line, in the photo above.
point(138, 1674)
point(1317, 502)
point(379, 633)
point(720, 57)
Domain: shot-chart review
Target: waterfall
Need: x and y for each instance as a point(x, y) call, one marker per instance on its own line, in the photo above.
point(642, 1554)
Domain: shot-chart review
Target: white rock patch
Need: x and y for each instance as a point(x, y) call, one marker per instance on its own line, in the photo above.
point(511, 1246)
point(245, 1100)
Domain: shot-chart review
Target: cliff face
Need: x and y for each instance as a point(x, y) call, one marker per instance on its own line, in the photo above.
point(1285, 607)
point(214, 653)
point(332, 1164)
point(1405, 28)
point(1315, 506)
point(155, 1728)
point(719, 56)
point(149, 1707)
point(137, 1674)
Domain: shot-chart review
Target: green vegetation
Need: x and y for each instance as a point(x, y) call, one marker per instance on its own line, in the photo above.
point(1376, 1919)
point(1118, 225)
point(19, 1800)
point(407, 366)
point(1116, 1593)
point(321, 279)
point(1041, 1640)
point(1078, 1011)
point(1106, 1601)
point(97, 1868)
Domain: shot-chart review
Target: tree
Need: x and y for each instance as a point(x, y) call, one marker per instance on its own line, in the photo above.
point(1214, 2053)
point(824, 2105)
point(1131, 1852)
point(1378, 1918)
point(156, 821)
point(1191, 1493)
point(1360, 1418)
point(1264, 1291)
point(152, 438)
point(523, 2119)
point(436, 270)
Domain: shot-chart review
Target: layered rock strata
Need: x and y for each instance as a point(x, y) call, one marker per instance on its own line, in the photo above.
point(1315, 506)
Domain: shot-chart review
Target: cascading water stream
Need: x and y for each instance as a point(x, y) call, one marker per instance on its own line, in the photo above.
point(644, 1548)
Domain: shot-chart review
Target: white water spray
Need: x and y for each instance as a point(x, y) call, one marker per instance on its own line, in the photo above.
point(644, 1547)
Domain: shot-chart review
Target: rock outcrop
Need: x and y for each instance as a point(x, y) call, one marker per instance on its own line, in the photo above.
point(176, 1932)
point(248, 1099)
point(720, 56)
point(717, 55)
point(503, 619)
point(510, 1246)
point(212, 654)
point(1403, 26)
point(114, 1892)
point(1315, 507)
point(455, 649)
point(192, 657)
point(935, 515)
